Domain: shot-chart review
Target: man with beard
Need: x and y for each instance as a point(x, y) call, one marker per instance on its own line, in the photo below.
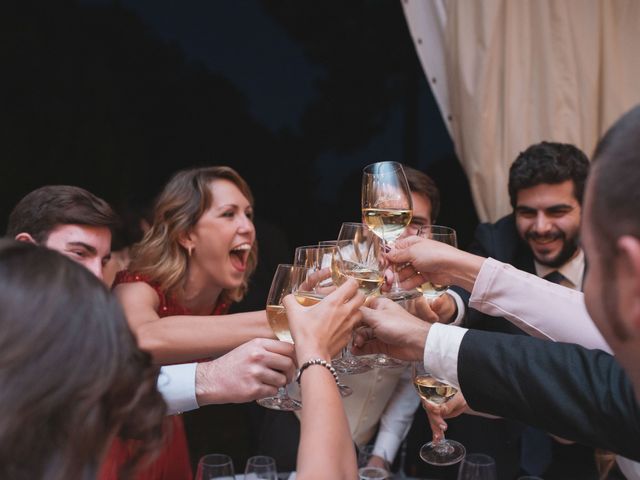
point(546, 185)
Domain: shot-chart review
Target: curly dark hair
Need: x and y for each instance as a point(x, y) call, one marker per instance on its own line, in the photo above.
point(71, 374)
point(548, 162)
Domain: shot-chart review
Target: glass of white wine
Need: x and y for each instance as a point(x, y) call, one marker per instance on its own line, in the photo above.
point(387, 210)
point(315, 281)
point(282, 285)
point(436, 392)
point(361, 235)
point(442, 234)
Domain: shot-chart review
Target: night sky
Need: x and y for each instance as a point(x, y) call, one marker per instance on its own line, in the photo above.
point(262, 52)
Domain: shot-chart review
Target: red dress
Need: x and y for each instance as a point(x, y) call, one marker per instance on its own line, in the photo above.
point(172, 462)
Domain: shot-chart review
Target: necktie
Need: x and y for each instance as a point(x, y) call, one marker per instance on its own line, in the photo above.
point(554, 277)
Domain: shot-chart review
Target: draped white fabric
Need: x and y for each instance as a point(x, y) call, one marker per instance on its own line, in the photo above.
point(507, 74)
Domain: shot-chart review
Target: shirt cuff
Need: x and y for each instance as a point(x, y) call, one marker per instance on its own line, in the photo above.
point(441, 352)
point(460, 307)
point(177, 384)
point(386, 446)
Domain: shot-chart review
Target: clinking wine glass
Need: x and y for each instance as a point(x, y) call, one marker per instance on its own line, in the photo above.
point(442, 234)
point(387, 210)
point(281, 286)
point(315, 281)
point(435, 391)
point(363, 236)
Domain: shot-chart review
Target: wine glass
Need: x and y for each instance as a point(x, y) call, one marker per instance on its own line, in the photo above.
point(215, 466)
point(261, 467)
point(442, 234)
point(363, 236)
point(315, 281)
point(436, 392)
point(387, 210)
point(281, 286)
point(477, 466)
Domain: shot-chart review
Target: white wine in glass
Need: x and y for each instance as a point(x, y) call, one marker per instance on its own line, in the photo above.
point(281, 286)
point(315, 281)
point(442, 234)
point(387, 210)
point(436, 392)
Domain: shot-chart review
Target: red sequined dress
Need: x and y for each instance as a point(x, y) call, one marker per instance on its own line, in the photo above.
point(173, 461)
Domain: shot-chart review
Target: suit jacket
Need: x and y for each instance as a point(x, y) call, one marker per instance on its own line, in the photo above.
point(575, 393)
point(501, 241)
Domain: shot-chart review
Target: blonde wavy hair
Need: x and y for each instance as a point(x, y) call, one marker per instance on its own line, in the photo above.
point(184, 199)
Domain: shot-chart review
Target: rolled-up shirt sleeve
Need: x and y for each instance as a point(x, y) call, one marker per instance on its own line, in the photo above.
point(177, 384)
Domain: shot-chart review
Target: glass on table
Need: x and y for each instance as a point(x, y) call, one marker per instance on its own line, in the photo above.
point(261, 467)
point(215, 466)
point(436, 392)
point(477, 466)
point(442, 234)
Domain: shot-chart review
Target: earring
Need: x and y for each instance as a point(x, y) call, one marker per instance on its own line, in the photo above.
point(190, 250)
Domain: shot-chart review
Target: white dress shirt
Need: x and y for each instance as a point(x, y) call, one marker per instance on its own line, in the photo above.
point(177, 384)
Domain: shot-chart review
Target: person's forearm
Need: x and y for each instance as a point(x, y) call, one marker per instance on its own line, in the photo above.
point(326, 449)
point(502, 290)
point(464, 269)
point(186, 338)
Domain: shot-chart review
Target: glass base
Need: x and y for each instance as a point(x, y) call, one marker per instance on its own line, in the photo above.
point(445, 452)
point(285, 404)
point(384, 361)
point(399, 295)
point(351, 365)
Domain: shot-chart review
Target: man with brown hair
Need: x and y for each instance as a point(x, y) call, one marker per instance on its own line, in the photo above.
point(79, 225)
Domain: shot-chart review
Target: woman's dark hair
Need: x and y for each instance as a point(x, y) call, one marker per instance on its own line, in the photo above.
point(548, 162)
point(71, 374)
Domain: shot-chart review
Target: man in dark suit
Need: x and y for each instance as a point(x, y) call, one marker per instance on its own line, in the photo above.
point(584, 395)
point(540, 236)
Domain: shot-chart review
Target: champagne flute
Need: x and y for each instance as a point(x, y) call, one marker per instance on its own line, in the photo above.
point(442, 234)
point(215, 466)
point(436, 392)
point(261, 467)
point(281, 286)
point(387, 210)
point(315, 281)
point(478, 466)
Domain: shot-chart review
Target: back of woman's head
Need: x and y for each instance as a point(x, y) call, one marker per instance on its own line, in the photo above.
point(71, 375)
point(184, 199)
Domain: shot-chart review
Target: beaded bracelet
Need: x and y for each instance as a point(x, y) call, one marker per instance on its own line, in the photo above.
point(318, 361)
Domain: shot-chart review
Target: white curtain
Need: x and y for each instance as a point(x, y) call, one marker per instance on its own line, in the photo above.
point(507, 74)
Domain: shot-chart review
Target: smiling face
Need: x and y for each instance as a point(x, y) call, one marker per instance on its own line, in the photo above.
point(548, 219)
point(222, 238)
point(89, 246)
